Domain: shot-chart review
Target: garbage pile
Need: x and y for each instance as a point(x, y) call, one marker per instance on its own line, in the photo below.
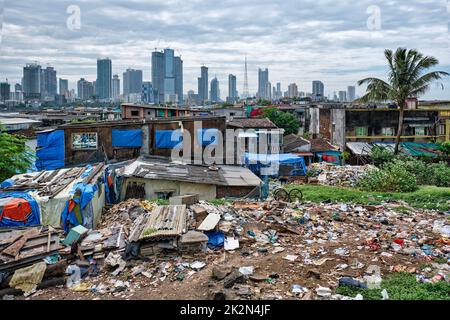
point(342, 176)
point(242, 250)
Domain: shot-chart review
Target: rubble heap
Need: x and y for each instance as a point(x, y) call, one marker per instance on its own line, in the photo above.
point(250, 250)
point(343, 176)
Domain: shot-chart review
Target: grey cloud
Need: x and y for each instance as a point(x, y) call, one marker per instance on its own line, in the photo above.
point(297, 40)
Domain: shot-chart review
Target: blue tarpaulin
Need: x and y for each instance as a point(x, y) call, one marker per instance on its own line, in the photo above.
point(216, 239)
point(167, 139)
point(50, 150)
point(69, 217)
point(127, 138)
point(7, 183)
point(27, 219)
point(295, 163)
point(206, 137)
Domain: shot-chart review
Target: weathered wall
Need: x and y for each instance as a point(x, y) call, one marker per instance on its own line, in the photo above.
point(376, 120)
point(233, 192)
point(104, 140)
point(205, 191)
point(338, 127)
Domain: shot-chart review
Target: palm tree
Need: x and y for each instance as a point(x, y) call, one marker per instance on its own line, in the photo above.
point(406, 79)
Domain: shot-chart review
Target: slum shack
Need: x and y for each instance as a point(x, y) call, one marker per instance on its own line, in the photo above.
point(57, 198)
point(158, 178)
point(83, 143)
point(276, 165)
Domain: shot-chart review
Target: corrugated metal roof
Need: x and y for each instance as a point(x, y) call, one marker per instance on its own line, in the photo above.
point(156, 169)
point(165, 221)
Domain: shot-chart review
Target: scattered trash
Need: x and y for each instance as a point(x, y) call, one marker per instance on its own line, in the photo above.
point(246, 271)
point(323, 292)
point(350, 282)
point(291, 258)
point(198, 265)
point(231, 244)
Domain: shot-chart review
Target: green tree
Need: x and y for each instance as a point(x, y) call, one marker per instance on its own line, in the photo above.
point(15, 156)
point(444, 147)
point(406, 79)
point(283, 120)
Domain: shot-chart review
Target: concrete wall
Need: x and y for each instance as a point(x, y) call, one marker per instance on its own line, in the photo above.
point(338, 128)
point(314, 121)
point(205, 191)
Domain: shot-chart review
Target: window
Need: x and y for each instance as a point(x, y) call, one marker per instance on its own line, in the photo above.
point(135, 113)
point(361, 131)
point(387, 132)
point(84, 141)
point(419, 131)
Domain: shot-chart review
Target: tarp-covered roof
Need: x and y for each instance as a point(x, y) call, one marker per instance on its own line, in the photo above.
point(412, 149)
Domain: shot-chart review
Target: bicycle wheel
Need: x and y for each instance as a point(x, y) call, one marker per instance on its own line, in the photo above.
point(281, 195)
point(296, 194)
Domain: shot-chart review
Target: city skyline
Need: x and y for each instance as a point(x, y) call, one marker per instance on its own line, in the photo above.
point(335, 46)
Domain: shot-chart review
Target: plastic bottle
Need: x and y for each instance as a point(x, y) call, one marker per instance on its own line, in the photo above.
point(373, 282)
point(74, 273)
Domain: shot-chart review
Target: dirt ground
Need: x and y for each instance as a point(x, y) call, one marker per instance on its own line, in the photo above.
point(284, 274)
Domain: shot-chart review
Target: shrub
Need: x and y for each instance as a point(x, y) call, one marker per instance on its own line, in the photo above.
point(440, 174)
point(422, 171)
point(381, 155)
point(392, 177)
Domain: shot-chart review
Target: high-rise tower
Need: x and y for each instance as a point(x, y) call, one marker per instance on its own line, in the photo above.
point(245, 92)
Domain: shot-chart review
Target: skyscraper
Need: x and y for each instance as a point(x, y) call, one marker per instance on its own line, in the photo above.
point(50, 85)
point(263, 79)
point(167, 76)
point(158, 76)
point(85, 89)
point(203, 85)
point(104, 79)
point(132, 81)
point(279, 93)
point(178, 70)
point(318, 91)
point(32, 81)
point(268, 91)
point(215, 95)
point(147, 92)
point(232, 92)
point(116, 87)
point(351, 93)
point(342, 96)
point(63, 86)
point(293, 90)
point(5, 91)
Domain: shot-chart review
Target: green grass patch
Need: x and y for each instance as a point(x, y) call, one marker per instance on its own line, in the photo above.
point(427, 197)
point(160, 202)
point(402, 286)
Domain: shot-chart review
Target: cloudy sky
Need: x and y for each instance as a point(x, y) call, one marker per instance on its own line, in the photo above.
point(338, 42)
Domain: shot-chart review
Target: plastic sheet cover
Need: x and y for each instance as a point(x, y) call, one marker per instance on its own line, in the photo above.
point(127, 138)
point(163, 139)
point(50, 150)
